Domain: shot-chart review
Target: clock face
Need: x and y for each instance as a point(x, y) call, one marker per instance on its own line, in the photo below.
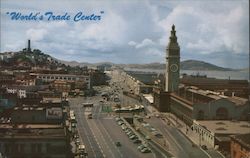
point(174, 67)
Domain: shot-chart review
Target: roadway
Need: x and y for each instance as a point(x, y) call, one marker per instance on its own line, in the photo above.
point(100, 133)
point(178, 144)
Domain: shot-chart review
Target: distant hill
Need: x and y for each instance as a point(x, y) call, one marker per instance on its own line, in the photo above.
point(185, 65)
point(201, 65)
point(38, 58)
point(75, 63)
point(245, 69)
point(144, 66)
point(29, 59)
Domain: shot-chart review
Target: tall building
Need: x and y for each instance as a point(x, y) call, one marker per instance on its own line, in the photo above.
point(162, 99)
point(173, 63)
point(29, 48)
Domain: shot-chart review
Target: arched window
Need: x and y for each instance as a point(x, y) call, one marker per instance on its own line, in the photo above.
point(200, 115)
point(221, 114)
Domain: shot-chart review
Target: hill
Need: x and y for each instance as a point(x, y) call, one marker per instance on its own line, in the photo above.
point(37, 58)
point(201, 65)
point(185, 65)
point(25, 58)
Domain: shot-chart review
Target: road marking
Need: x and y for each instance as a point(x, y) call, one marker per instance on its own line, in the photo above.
point(110, 138)
point(80, 120)
point(98, 114)
point(221, 154)
point(108, 118)
point(190, 140)
point(173, 139)
point(91, 146)
point(94, 123)
point(170, 135)
point(95, 139)
point(156, 148)
point(205, 153)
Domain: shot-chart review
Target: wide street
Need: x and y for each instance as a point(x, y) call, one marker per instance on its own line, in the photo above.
point(100, 133)
point(178, 144)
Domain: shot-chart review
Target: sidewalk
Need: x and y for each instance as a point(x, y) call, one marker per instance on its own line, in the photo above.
point(186, 130)
point(171, 119)
point(192, 135)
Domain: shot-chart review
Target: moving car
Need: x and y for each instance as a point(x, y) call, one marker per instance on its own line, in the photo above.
point(204, 147)
point(118, 144)
point(90, 116)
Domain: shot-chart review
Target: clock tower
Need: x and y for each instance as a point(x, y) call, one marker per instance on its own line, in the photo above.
point(173, 63)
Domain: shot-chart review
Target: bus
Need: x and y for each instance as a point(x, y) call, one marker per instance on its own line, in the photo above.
point(87, 105)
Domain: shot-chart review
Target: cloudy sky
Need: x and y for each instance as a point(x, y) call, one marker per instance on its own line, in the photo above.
point(132, 31)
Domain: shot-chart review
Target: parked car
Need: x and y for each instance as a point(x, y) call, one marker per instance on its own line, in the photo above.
point(137, 141)
point(140, 147)
point(133, 137)
point(118, 119)
point(127, 130)
point(120, 123)
point(145, 150)
point(77, 142)
point(130, 133)
point(124, 127)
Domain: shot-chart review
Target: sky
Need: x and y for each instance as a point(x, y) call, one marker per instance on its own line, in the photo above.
point(132, 31)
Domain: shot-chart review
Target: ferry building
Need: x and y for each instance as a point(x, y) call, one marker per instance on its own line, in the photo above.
point(191, 103)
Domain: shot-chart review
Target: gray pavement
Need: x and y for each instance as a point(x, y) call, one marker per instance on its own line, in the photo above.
point(192, 136)
point(85, 134)
point(100, 133)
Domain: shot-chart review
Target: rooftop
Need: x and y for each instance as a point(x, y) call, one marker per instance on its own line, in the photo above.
point(226, 127)
point(149, 97)
point(26, 108)
point(237, 100)
point(206, 96)
point(31, 131)
point(243, 139)
point(51, 100)
point(64, 75)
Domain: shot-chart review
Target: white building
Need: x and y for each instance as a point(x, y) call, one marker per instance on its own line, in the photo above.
point(63, 77)
point(21, 93)
point(215, 132)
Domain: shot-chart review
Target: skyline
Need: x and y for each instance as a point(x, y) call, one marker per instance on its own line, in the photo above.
point(134, 32)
